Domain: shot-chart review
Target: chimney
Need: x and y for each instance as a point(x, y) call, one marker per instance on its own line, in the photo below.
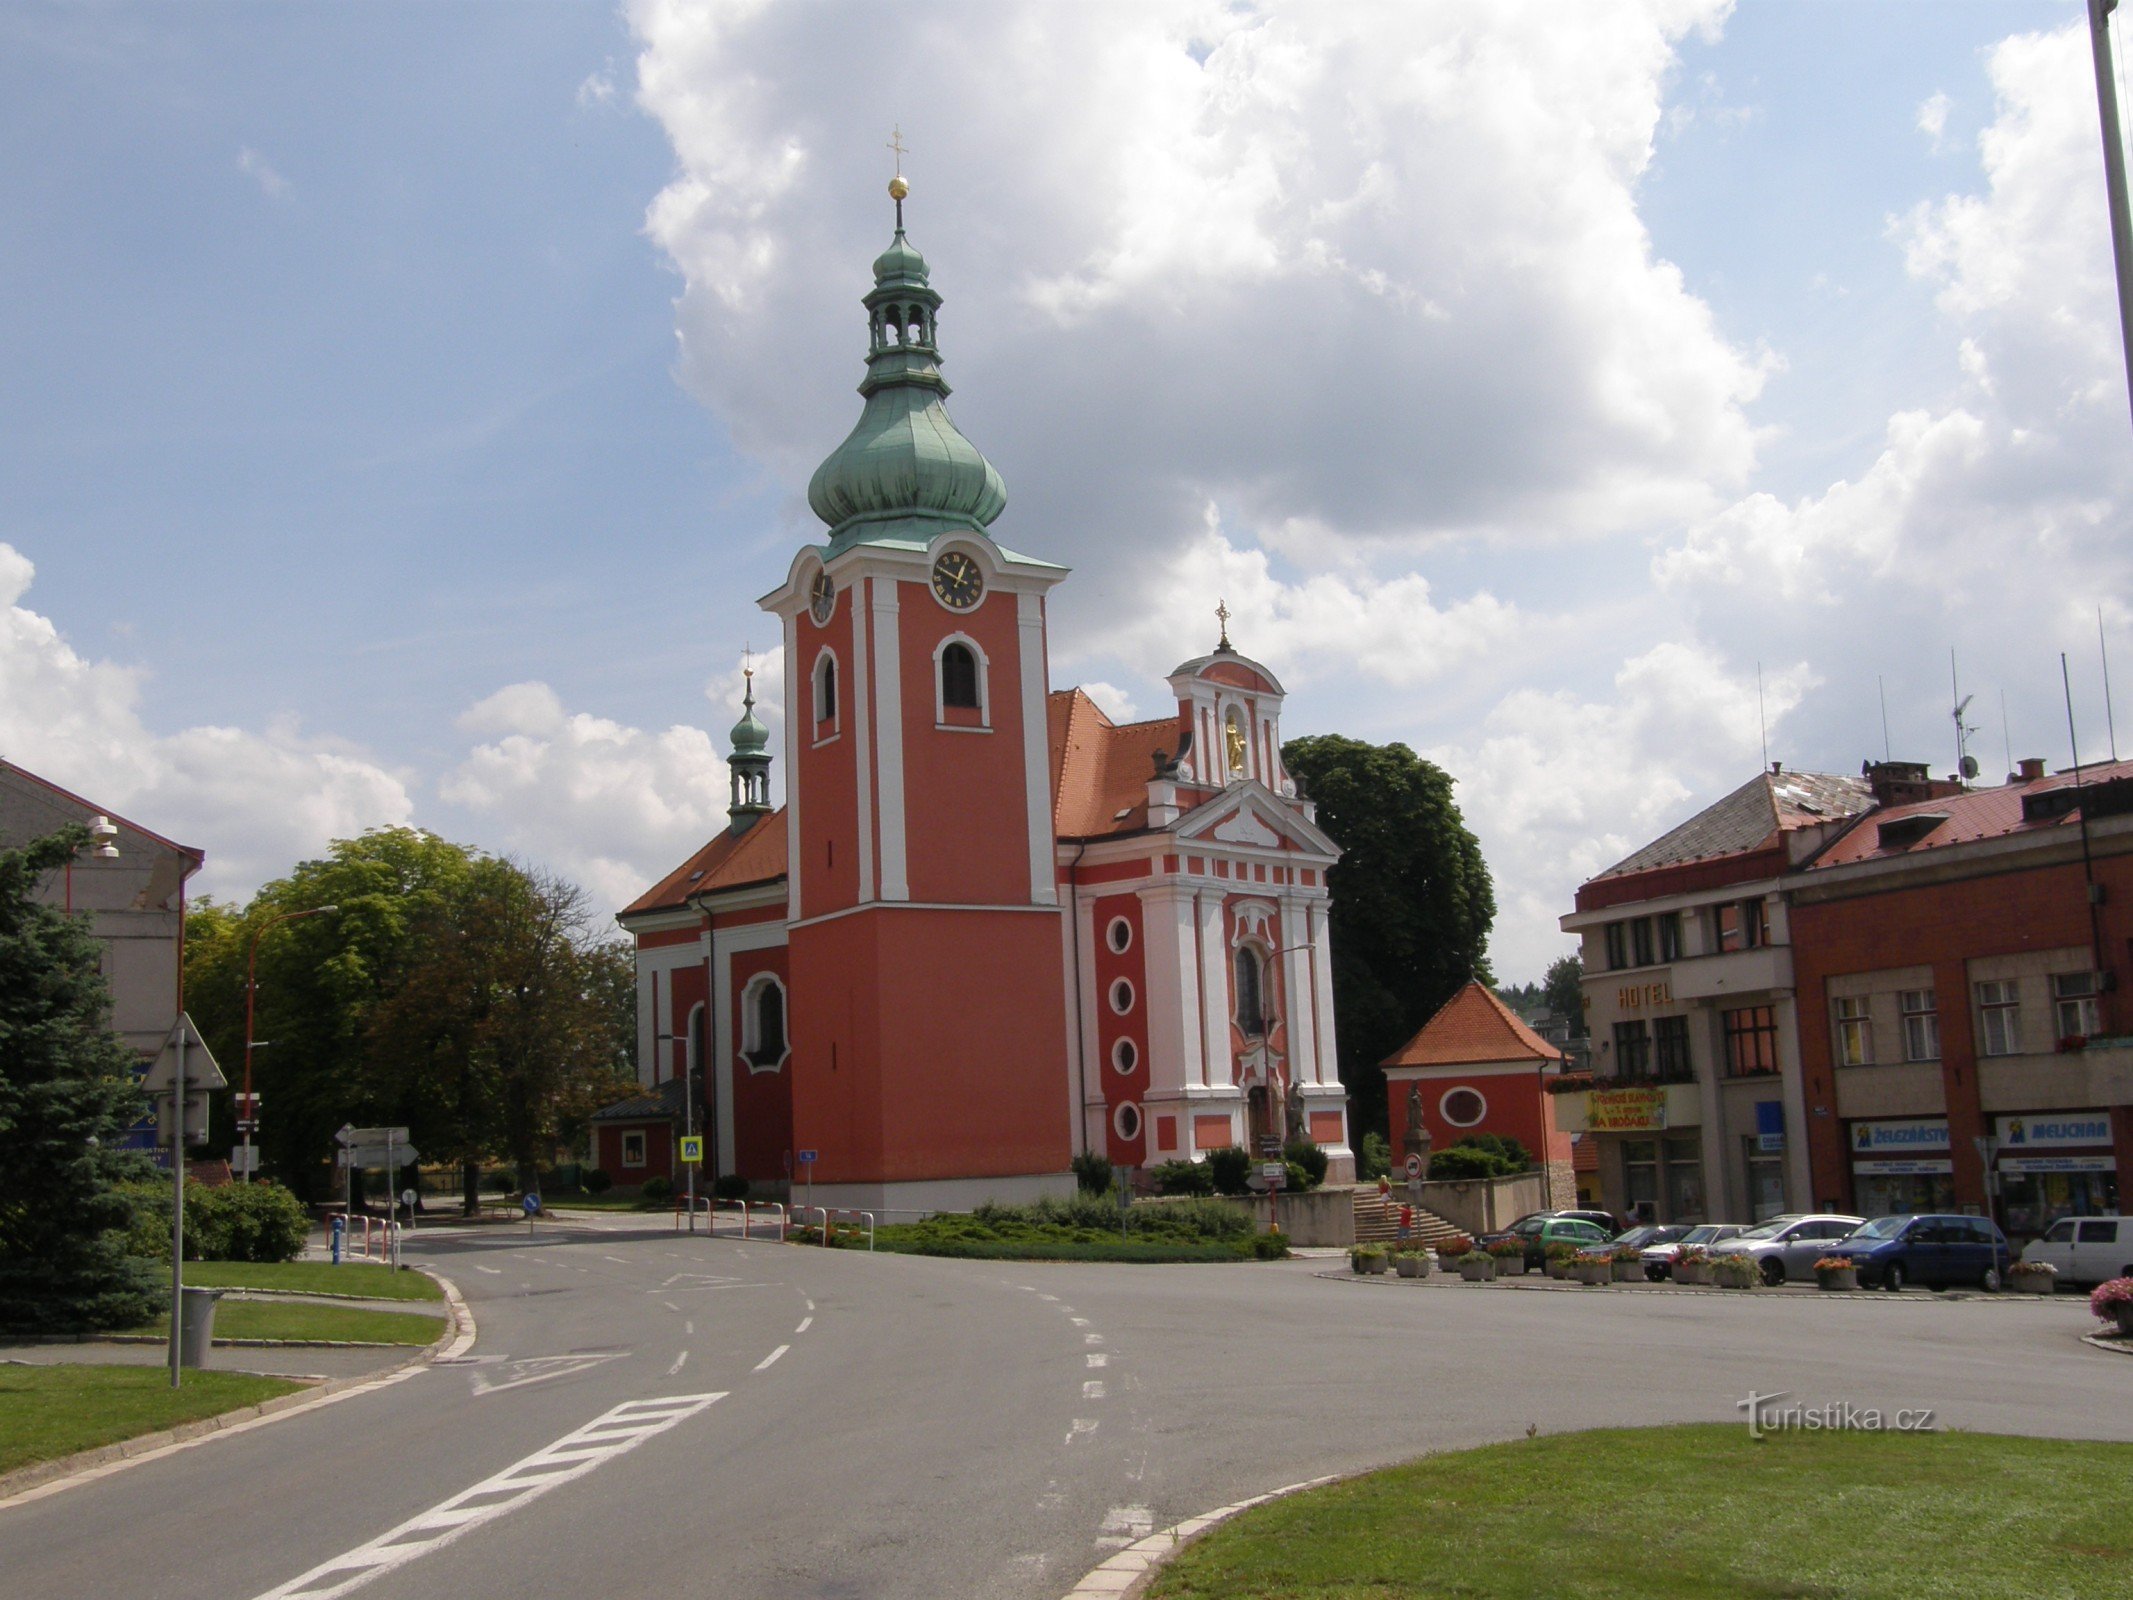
point(1898, 783)
point(2032, 769)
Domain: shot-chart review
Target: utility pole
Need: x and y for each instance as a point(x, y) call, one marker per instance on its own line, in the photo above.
point(2114, 172)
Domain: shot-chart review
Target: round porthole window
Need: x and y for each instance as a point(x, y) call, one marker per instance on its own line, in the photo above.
point(1125, 1055)
point(1462, 1108)
point(1122, 996)
point(1119, 935)
point(1126, 1121)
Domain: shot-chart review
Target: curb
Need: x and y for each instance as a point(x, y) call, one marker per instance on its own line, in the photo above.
point(2118, 1346)
point(43, 1478)
point(1130, 1571)
point(1790, 1291)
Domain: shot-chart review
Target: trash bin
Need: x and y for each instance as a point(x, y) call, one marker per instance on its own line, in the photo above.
point(196, 1325)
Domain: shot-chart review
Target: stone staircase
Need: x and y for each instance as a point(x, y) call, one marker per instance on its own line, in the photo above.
point(1378, 1221)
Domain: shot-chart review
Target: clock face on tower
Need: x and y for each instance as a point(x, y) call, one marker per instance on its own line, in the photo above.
point(957, 581)
point(822, 598)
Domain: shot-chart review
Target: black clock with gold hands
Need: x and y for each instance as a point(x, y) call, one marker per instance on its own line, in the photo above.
point(957, 581)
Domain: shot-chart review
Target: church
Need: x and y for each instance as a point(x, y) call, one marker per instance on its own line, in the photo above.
point(990, 928)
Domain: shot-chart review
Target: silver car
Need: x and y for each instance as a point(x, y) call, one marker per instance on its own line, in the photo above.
point(1788, 1247)
point(1659, 1259)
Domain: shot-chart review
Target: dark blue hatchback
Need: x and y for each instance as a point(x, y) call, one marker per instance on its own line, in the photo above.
point(1930, 1249)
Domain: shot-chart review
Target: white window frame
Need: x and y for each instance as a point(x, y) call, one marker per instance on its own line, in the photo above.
point(1921, 1024)
point(814, 698)
point(637, 1134)
point(1125, 1055)
point(1855, 1031)
point(1444, 1100)
point(1112, 992)
point(751, 1023)
point(2076, 1012)
point(940, 686)
point(1121, 1112)
point(1999, 1017)
point(1112, 930)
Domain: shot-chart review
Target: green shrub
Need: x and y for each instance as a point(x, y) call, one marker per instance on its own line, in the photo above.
point(1373, 1158)
point(1092, 1171)
point(729, 1186)
point(1514, 1155)
point(1310, 1157)
point(595, 1180)
point(1270, 1246)
point(1230, 1166)
point(656, 1188)
point(239, 1222)
point(1461, 1163)
point(1183, 1177)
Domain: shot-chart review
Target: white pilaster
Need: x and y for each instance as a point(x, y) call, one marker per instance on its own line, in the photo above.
point(1036, 757)
point(889, 765)
point(1171, 966)
point(1298, 1002)
point(1322, 992)
point(1214, 991)
point(794, 716)
point(862, 743)
point(647, 1003)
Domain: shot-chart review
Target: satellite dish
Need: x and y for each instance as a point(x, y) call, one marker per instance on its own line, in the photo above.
point(1969, 767)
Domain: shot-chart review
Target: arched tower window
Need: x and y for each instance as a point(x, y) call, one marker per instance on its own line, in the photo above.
point(825, 695)
point(1251, 992)
point(959, 677)
point(763, 1041)
point(960, 697)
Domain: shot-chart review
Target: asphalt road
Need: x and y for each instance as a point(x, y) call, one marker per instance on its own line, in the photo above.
point(646, 1414)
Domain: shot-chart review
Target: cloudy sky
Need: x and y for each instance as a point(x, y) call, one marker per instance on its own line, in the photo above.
point(401, 407)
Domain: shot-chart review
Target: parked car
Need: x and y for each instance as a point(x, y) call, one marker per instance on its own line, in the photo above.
point(1788, 1246)
point(2086, 1249)
point(1659, 1258)
point(1531, 1230)
point(1932, 1249)
point(1637, 1238)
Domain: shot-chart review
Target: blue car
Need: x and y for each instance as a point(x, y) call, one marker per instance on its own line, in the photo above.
point(1938, 1251)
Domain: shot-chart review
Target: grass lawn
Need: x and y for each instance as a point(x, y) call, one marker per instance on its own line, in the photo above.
point(269, 1319)
point(1702, 1511)
point(365, 1279)
point(46, 1412)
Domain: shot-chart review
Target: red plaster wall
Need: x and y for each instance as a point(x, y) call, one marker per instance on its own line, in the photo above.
point(826, 782)
point(658, 1151)
point(1518, 1109)
point(1119, 1087)
point(762, 1100)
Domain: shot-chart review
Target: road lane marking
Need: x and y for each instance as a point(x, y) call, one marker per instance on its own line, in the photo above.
point(670, 1305)
point(1079, 1322)
point(608, 1435)
point(686, 1327)
point(491, 1379)
point(805, 1322)
point(772, 1357)
point(494, 1272)
point(1096, 1358)
point(810, 1304)
point(1092, 1338)
point(1081, 1426)
point(1093, 1389)
point(678, 1360)
point(617, 1260)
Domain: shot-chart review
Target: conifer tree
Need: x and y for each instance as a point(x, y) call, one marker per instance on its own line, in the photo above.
point(67, 1095)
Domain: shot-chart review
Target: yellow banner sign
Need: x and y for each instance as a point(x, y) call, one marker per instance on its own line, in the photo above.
point(1627, 1110)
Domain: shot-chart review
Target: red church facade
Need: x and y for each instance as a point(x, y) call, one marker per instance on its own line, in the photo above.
point(991, 928)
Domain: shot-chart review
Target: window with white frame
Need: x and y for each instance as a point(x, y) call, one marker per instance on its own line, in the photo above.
point(1125, 1055)
point(1855, 1032)
point(1122, 996)
point(1251, 992)
point(825, 689)
point(1999, 1017)
point(763, 1042)
point(959, 684)
point(1126, 1121)
point(1119, 935)
point(1921, 1025)
point(2075, 1006)
point(633, 1148)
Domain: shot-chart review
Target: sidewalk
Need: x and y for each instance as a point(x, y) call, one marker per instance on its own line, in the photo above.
point(283, 1361)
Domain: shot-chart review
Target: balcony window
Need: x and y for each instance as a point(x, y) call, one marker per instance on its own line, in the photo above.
point(1921, 1025)
point(1999, 1016)
point(1633, 1050)
point(1751, 1041)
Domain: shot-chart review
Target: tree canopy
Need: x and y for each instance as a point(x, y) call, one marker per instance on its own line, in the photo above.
point(467, 997)
point(1412, 900)
point(67, 1094)
point(1564, 990)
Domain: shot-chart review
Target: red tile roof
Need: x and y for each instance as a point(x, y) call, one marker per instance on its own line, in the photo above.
point(1100, 769)
point(729, 861)
point(1473, 1026)
point(1979, 814)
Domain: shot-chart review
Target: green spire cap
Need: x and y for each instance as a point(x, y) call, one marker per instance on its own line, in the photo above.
point(905, 471)
point(750, 737)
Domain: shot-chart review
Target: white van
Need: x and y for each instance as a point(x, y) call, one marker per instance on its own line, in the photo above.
point(2086, 1249)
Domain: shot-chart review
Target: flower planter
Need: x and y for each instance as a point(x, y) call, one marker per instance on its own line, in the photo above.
point(1510, 1266)
point(1477, 1268)
point(1735, 1277)
point(1416, 1266)
point(1837, 1278)
point(1375, 1264)
point(1594, 1273)
point(2122, 1314)
point(1628, 1271)
point(1696, 1272)
point(2030, 1283)
point(1556, 1269)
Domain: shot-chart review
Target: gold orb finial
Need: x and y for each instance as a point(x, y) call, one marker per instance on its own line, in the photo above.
point(898, 188)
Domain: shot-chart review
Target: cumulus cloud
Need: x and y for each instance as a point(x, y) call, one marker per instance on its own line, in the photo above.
point(255, 802)
point(255, 166)
point(609, 806)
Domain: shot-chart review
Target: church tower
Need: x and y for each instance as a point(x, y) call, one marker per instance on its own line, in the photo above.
point(929, 1018)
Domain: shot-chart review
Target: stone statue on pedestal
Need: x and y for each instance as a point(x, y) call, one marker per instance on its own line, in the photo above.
point(1293, 1115)
point(1418, 1141)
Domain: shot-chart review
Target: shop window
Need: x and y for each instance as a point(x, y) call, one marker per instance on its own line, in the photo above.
point(1855, 1033)
point(1921, 1025)
point(1999, 1016)
point(1751, 1041)
point(1670, 1048)
point(633, 1149)
point(1766, 1180)
point(1640, 1174)
point(1668, 928)
point(1633, 1050)
point(2075, 1010)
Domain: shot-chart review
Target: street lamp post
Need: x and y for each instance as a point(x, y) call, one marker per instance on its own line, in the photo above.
point(248, 1117)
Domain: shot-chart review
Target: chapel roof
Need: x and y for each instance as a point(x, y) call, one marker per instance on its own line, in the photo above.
point(729, 861)
point(664, 1101)
point(1473, 1026)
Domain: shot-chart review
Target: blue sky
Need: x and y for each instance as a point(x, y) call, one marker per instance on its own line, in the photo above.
point(404, 405)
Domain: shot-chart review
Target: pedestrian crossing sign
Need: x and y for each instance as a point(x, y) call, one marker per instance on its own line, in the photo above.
point(692, 1147)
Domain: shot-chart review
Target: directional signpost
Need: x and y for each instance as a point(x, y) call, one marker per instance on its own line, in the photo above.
point(372, 1147)
point(182, 1073)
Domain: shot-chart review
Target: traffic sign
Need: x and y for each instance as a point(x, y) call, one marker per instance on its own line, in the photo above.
point(243, 1158)
point(692, 1147)
point(377, 1155)
point(201, 1072)
point(806, 1158)
point(1269, 1144)
point(377, 1136)
point(1414, 1165)
point(195, 1117)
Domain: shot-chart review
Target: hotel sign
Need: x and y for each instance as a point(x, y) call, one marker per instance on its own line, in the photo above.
point(1636, 996)
point(1626, 1110)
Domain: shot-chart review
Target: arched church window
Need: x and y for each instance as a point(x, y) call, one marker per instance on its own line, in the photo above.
point(825, 691)
point(763, 1041)
point(959, 677)
point(1251, 996)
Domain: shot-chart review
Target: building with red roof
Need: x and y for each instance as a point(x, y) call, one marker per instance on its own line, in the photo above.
point(991, 927)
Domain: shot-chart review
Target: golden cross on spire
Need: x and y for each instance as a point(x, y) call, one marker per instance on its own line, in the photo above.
point(1222, 616)
point(896, 143)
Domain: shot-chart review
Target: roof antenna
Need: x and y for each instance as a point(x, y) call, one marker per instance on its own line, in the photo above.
point(1762, 723)
point(1881, 684)
point(1965, 762)
point(2006, 732)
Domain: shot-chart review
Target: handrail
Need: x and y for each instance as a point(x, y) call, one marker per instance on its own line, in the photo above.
point(681, 1204)
point(748, 1209)
point(851, 1212)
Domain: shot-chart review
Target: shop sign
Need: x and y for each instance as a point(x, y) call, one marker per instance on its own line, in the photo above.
point(1769, 1126)
point(1626, 1110)
point(2054, 1130)
point(1896, 1138)
point(1904, 1169)
point(2020, 1164)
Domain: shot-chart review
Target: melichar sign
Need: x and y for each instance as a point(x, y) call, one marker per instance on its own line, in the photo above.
point(2055, 1130)
point(1626, 1110)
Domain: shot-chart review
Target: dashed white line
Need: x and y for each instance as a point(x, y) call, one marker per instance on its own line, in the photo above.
point(1092, 1338)
point(686, 1327)
point(772, 1357)
point(575, 1454)
point(805, 1322)
point(1093, 1389)
point(1081, 1426)
point(678, 1360)
point(1079, 1322)
point(494, 1272)
point(810, 1304)
point(670, 1305)
point(616, 1259)
point(1097, 1358)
